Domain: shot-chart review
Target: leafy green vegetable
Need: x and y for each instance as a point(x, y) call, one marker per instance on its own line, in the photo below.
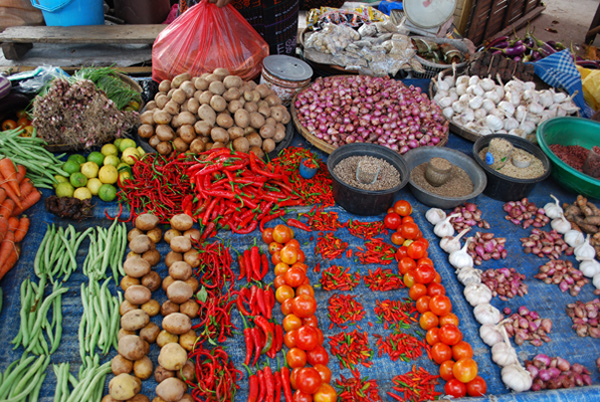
point(107, 80)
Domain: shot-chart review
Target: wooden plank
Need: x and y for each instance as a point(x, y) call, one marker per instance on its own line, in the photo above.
point(495, 18)
point(135, 71)
point(14, 51)
point(521, 22)
point(591, 34)
point(112, 34)
point(477, 23)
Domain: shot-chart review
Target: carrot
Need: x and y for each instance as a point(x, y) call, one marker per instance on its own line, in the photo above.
point(21, 171)
point(7, 208)
point(2, 195)
point(22, 229)
point(26, 187)
point(9, 172)
point(4, 227)
point(13, 223)
point(27, 202)
point(9, 191)
point(8, 254)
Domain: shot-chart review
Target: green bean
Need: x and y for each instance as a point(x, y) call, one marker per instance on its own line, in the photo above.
point(9, 380)
point(20, 386)
point(58, 324)
point(36, 382)
point(42, 312)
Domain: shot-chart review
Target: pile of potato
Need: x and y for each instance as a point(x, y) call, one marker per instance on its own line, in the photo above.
point(211, 111)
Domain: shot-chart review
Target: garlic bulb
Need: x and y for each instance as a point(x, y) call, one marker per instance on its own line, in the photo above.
point(513, 97)
point(464, 98)
point(516, 378)
point(463, 80)
point(546, 98)
point(480, 114)
point(589, 268)
point(494, 123)
point(476, 102)
point(535, 108)
point(553, 210)
point(442, 85)
point(561, 224)
point(521, 112)
point(487, 84)
point(528, 126)
point(460, 258)
point(510, 124)
point(468, 276)
point(473, 80)
point(490, 334)
point(596, 281)
point(573, 237)
point(475, 90)
point(504, 354)
point(444, 228)
point(487, 314)
point(585, 251)
point(488, 105)
point(558, 97)
point(461, 89)
point(445, 102)
point(530, 95)
point(459, 106)
point(435, 215)
point(448, 112)
point(507, 108)
point(493, 96)
point(477, 294)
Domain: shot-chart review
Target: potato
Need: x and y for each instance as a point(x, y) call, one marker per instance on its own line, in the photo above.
point(172, 356)
point(182, 222)
point(120, 365)
point(161, 374)
point(197, 146)
point(186, 118)
point(257, 120)
point(192, 106)
point(151, 307)
point(257, 151)
point(201, 84)
point(134, 320)
point(189, 88)
point(134, 232)
point(122, 332)
point(180, 79)
point(241, 144)
point(131, 347)
point(264, 110)
point(231, 94)
point(142, 368)
point(280, 132)
point(172, 107)
point(151, 105)
point(188, 340)
point(170, 93)
point(126, 307)
point(263, 90)
point(164, 132)
point(267, 131)
point(171, 389)
point(180, 244)
point(189, 308)
point(140, 244)
point(139, 398)
point(273, 100)
point(286, 116)
point(234, 106)
point(146, 222)
point(277, 113)
point(249, 130)
point(219, 134)
point(172, 257)
point(137, 294)
point(170, 234)
point(216, 87)
point(151, 280)
point(180, 270)
point(177, 323)
point(232, 81)
point(161, 100)
point(180, 145)
point(212, 77)
point(221, 73)
point(164, 86)
point(187, 372)
point(191, 257)
point(235, 132)
point(136, 267)
point(125, 386)
point(165, 337)
point(202, 128)
point(162, 117)
point(132, 254)
point(187, 398)
point(179, 292)
point(179, 96)
point(152, 256)
point(192, 234)
point(242, 118)
point(217, 144)
point(193, 282)
point(168, 307)
point(108, 398)
point(224, 120)
point(254, 140)
point(164, 148)
point(218, 103)
point(150, 332)
point(128, 281)
point(268, 145)
point(187, 133)
point(251, 107)
point(147, 117)
point(154, 141)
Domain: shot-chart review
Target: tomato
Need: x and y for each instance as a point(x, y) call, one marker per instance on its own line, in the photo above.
point(465, 369)
point(318, 356)
point(406, 264)
point(446, 370)
point(409, 230)
point(409, 279)
point(279, 281)
point(304, 306)
point(289, 254)
point(311, 321)
point(423, 304)
point(301, 257)
point(28, 131)
point(407, 219)
point(309, 380)
point(424, 273)
point(291, 322)
point(23, 121)
point(440, 305)
point(275, 258)
point(397, 238)
point(462, 349)
point(432, 336)
point(267, 236)
point(286, 306)
point(423, 241)
point(306, 338)
point(401, 253)
point(296, 357)
point(455, 388)
point(417, 290)
point(424, 261)
point(320, 336)
point(21, 113)
point(294, 377)
point(440, 352)
point(300, 265)
point(416, 250)
point(282, 234)
point(9, 124)
point(449, 318)
point(390, 210)
point(281, 268)
point(476, 387)
point(293, 243)
point(438, 278)
point(402, 208)
point(300, 396)
point(450, 334)
point(294, 277)
point(283, 293)
point(290, 339)
point(435, 288)
point(305, 290)
point(428, 320)
point(324, 372)
point(275, 247)
point(392, 221)
point(325, 393)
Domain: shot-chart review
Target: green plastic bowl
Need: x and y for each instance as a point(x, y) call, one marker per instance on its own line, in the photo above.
point(570, 131)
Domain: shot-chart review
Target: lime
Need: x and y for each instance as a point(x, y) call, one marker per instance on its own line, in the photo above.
point(78, 179)
point(109, 149)
point(71, 166)
point(82, 193)
point(96, 157)
point(89, 169)
point(64, 189)
point(94, 185)
point(126, 143)
point(108, 174)
point(117, 142)
point(107, 192)
point(112, 160)
point(60, 179)
point(130, 155)
point(77, 158)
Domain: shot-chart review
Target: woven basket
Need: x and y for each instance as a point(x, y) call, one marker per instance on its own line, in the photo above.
point(433, 69)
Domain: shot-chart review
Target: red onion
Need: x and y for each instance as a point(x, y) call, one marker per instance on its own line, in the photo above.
point(545, 244)
point(563, 274)
point(585, 317)
point(470, 215)
point(505, 283)
point(554, 373)
point(527, 326)
point(525, 213)
point(484, 247)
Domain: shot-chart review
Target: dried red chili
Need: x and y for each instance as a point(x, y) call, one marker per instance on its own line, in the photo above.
point(416, 385)
point(400, 346)
point(214, 268)
point(377, 252)
point(339, 278)
point(216, 377)
point(318, 219)
point(355, 389)
point(351, 349)
point(366, 230)
point(403, 313)
point(344, 309)
point(329, 246)
point(214, 315)
point(383, 280)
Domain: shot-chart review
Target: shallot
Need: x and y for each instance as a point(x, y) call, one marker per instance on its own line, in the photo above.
point(545, 244)
point(485, 247)
point(525, 213)
point(555, 373)
point(585, 317)
point(505, 283)
point(563, 274)
point(527, 325)
point(468, 216)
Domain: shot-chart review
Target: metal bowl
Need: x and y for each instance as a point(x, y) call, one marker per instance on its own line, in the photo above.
point(418, 156)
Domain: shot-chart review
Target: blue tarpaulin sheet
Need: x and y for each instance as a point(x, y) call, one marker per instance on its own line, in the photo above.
point(547, 300)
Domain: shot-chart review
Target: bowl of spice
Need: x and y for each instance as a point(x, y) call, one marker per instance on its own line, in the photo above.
point(366, 177)
point(572, 144)
point(443, 177)
point(512, 164)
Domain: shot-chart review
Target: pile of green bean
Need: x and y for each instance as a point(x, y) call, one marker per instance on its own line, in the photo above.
point(89, 386)
point(100, 320)
point(107, 248)
point(34, 318)
point(23, 379)
point(57, 254)
point(41, 164)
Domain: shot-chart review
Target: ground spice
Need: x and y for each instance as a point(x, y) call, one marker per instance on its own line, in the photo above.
point(403, 313)
point(416, 385)
point(401, 346)
point(351, 349)
point(339, 278)
point(389, 176)
point(383, 280)
point(329, 246)
point(318, 219)
point(377, 252)
point(355, 389)
point(572, 155)
point(344, 309)
point(535, 168)
point(366, 230)
point(458, 185)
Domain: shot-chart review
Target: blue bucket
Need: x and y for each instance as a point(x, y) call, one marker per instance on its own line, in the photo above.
point(65, 13)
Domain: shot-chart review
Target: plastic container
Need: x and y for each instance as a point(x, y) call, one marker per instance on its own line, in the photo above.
point(417, 156)
point(307, 172)
point(570, 131)
point(142, 11)
point(64, 13)
point(506, 188)
point(363, 202)
point(285, 75)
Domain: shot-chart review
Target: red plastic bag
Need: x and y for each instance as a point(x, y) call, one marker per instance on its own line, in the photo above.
point(206, 37)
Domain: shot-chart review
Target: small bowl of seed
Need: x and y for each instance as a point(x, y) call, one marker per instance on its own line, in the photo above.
point(443, 177)
point(366, 177)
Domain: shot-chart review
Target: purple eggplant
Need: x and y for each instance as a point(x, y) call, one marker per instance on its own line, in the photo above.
point(528, 41)
point(587, 63)
point(535, 56)
point(513, 51)
point(496, 41)
point(549, 48)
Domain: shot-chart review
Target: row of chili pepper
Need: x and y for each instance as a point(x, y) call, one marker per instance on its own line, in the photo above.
point(416, 385)
point(383, 280)
point(377, 252)
point(217, 380)
point(318, 219)
point(214, 265)
point(399, 312)
point(366, 230)
point(401, 346)
point(356, 389)
point(344, 309)
point(254, 265)
point(264, 338)
point(351, 349)
point(339, 278)
point(268, 386)
point(260, 301)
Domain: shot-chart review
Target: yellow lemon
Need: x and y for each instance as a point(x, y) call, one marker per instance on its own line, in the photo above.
point(130, 155)
point(90, 169)
point(109, 149)
point(94, 185)
point(64, 189)
point(126, 143)
point(82, 193)
point(108, 174)
point(112, 160)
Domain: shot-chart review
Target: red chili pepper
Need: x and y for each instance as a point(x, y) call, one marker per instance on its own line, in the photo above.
point(277, 379)
point(260, 298)
point(269, 218)
point(300, 225)
point(266, 328)
point(252, 302)
point(257, 344)
point(248, 229)
point(249, 344)
point(285, 382)
point(262, 386)
point(240, 305)
point(255, 262)
point(279, 337)
point(269, 383)
point(264, 261)
point(207, 231)
point(248, 265)
point(242, 267)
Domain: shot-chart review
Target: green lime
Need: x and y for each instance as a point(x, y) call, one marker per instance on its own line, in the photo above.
point(77, 158)
point(78, 180)
point(117, 142)
point(126, 143)
point(112, 160)
point(60, 179)
point(82, 193)
point(64, 189)
point(109, 149)
point(96, 157)
point(71, 166)
point(107, 192)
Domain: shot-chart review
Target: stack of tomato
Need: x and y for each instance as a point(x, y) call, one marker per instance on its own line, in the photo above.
point(454, 355)
point(21, 119)
point(303, 338)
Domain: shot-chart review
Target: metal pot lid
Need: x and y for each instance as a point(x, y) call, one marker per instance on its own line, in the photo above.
point(287, 68)
point(429, 13)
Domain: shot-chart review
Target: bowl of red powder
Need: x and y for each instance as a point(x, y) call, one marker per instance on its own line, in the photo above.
point(567, 141)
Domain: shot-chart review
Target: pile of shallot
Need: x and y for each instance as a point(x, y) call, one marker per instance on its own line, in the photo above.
point(505, 283)
point(527, 325)
point(484, 247)
point(585, 317)
point(554, 373)
point(524, 212)
point(545, 244)
point(563, 274)
point(468, 215)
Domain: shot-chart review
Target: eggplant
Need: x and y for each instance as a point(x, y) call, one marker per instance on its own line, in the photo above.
point(587, 63)
point(513, 51)
point(496, 41)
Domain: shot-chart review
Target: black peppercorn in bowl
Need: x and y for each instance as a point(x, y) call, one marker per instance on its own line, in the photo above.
point(361, 201)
